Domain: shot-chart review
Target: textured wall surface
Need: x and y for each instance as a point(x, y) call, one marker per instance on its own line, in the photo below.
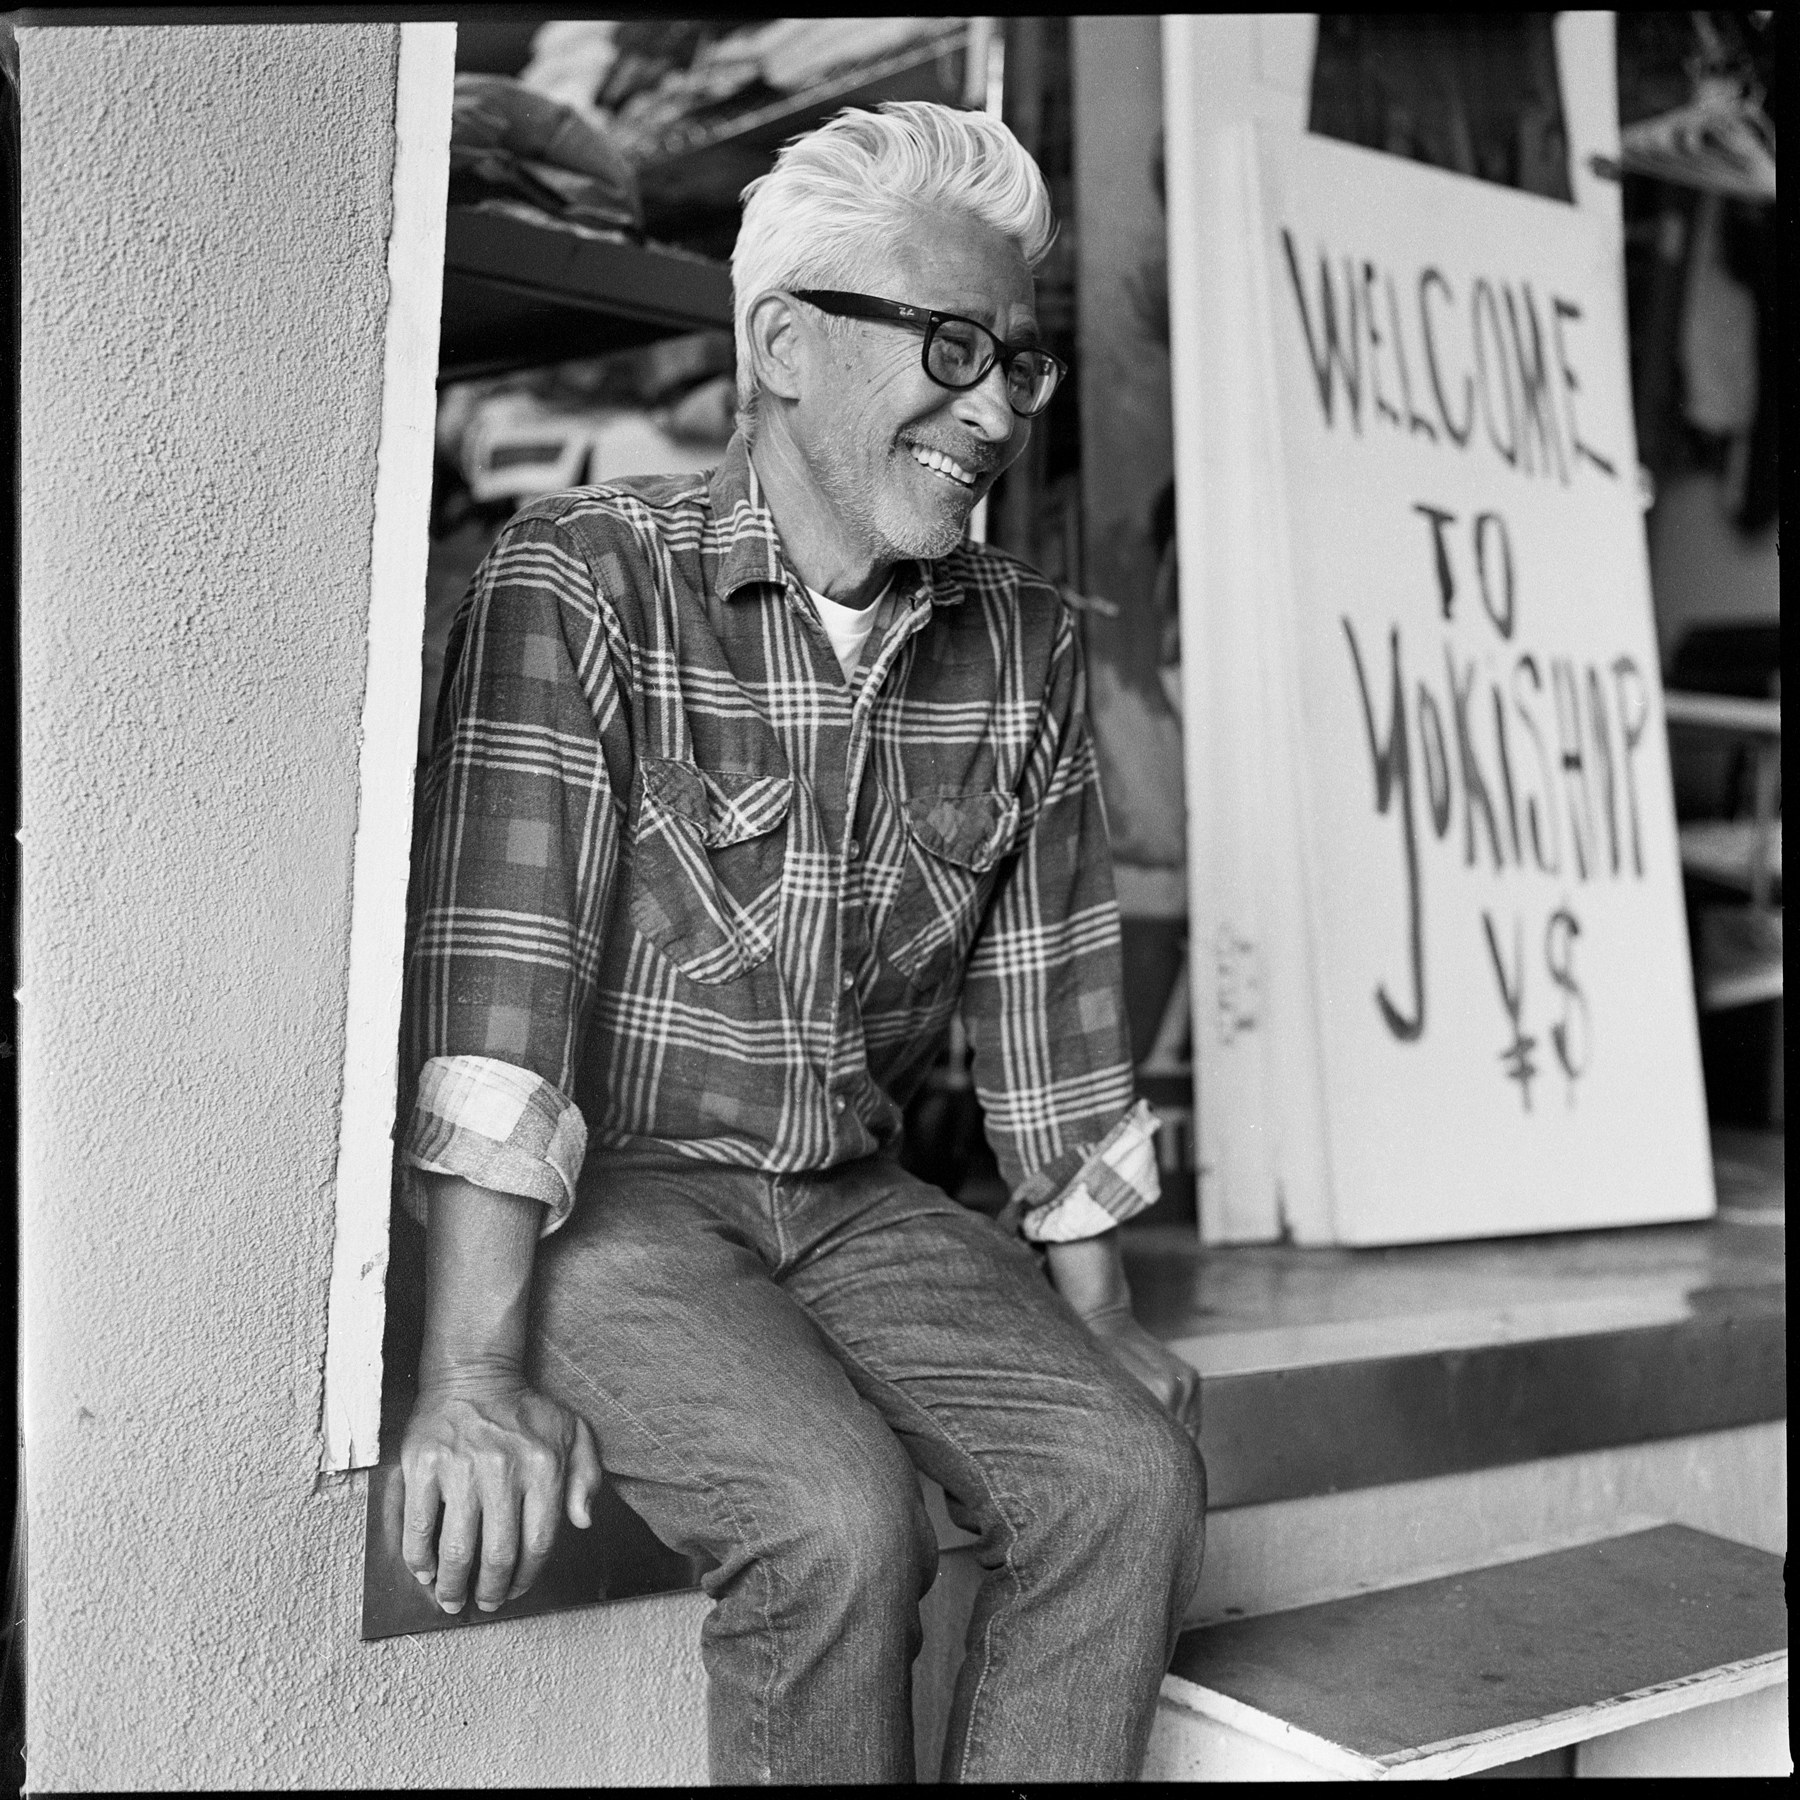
point(204, 229)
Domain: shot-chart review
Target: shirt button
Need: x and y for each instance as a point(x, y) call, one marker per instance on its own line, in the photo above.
point(853, 848)
point(849, 981)
point(839, 1104)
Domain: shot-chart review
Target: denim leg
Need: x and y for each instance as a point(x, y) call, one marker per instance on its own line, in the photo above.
point(727, 1424)
point(1089, 1500)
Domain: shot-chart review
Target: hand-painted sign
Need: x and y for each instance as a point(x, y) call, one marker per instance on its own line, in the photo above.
point(1460, 700)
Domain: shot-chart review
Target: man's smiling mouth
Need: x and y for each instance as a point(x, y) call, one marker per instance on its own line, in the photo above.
point(940, 464)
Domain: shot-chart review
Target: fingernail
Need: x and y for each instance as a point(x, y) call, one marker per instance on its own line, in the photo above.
point(488, 1605)
point(423, 1576)
point(451, 1606)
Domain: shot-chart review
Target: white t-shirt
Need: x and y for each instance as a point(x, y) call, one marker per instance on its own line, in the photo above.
point(848, 627)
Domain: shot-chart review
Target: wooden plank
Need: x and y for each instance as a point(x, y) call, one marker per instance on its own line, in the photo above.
point(1745, 1736)
point(1579, 1724)
point(1201, 1735)
point(1415, 1671)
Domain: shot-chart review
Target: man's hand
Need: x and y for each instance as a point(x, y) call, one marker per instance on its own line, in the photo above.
point(1090, 1275)
point(503, 1461)
point(1175, 1384)
point(500, 1459)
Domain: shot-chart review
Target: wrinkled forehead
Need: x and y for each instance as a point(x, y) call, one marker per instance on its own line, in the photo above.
point(951, 261)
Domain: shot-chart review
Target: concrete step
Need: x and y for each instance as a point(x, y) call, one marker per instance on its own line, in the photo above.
point(1316, 1548)
point(1361, 1434)
point(1472, 1672)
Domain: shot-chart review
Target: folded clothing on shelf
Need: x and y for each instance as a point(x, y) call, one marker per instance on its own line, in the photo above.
point(510, 142)
point(807, 51)
point(759, 62)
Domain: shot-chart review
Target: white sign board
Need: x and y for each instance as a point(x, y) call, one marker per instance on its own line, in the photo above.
point(1471, 894)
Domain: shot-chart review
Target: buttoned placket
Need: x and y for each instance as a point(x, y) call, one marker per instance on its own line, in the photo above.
point(862, 695)
point(840, 982)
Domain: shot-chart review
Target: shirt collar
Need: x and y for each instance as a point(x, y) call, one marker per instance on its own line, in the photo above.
point(752, 548)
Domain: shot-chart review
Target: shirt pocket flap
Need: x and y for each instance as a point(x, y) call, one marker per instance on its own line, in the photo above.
point(726, 806)
point(971, 830)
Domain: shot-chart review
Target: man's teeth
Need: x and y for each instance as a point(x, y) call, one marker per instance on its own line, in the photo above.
point(944, 465)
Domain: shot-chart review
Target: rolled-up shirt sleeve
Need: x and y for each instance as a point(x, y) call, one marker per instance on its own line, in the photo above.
point(1042, 999)
point(514, 879)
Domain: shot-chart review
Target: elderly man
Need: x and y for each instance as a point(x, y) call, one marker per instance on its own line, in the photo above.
point(744, 784)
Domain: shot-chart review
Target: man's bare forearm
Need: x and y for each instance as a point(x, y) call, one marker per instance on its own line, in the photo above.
point(497, 1460)
point(479, 1250)
point(1090, 1274)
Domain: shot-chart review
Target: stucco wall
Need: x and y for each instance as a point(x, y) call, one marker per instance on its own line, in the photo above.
point(204, 222)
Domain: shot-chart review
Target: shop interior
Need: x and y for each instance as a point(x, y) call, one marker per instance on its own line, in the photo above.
point(586, 335)
point(595, 167)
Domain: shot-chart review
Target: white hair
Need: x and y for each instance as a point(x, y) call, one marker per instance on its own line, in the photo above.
point(838, 194)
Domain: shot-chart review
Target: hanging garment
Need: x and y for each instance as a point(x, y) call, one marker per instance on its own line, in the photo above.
point(1718, 334)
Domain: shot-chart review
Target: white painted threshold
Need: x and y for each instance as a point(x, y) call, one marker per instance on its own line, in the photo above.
point(350, 1419)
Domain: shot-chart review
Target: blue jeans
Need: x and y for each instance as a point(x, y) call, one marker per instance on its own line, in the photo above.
point(765, 1360)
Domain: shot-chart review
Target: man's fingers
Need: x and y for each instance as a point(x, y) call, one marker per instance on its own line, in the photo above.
point(1186, 1406)
point(1190, 1406)
point(418, 1533)
point(543, 1504)
point(583, 1480)
point(499, 1538)
point(457, 1538)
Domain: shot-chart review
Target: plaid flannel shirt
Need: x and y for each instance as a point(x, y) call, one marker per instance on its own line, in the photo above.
point(680, 881)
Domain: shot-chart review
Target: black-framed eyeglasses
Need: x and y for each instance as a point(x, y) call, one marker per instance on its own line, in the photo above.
point(958, 352)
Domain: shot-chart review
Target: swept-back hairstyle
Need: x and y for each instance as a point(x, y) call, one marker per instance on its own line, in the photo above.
point(836, 195)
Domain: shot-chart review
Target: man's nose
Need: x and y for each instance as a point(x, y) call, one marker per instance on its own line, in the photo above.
point(984, 408)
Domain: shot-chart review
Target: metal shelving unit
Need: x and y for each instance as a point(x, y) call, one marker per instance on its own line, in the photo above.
point(519, 293)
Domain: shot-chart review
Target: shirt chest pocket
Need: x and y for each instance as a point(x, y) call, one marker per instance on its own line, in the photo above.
point(953, 843)
point(708, 850)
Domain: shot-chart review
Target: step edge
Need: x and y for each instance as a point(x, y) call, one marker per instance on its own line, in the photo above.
point(1625, 1523)
point(1245, 1473)
point(1501, 1744)
point(1181, 1695)
point(1493, 1748)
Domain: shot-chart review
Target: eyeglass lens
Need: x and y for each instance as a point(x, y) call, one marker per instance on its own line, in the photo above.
point(960, 354)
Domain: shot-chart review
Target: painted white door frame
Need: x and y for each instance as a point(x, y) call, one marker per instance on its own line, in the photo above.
point(350, 1420)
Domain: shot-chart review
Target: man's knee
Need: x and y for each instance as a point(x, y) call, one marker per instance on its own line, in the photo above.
point(1132, 1480)
point(1150, 1475)
point(854, 1522)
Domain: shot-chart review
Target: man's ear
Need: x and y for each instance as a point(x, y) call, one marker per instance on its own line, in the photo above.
point(776, 346)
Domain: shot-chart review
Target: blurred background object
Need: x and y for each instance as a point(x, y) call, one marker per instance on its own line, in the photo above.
point(510, 143)
point(692, 109)
point(1698, 101)
point(666, 407)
